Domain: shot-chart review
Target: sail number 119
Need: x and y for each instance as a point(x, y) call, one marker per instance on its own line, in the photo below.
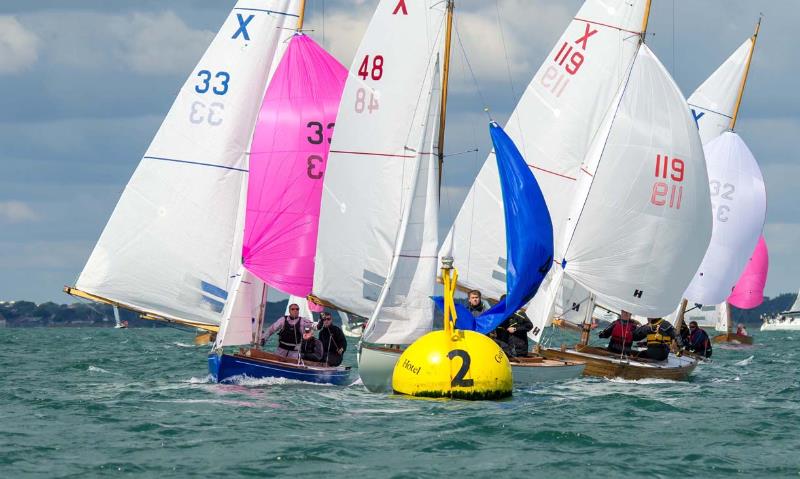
point(667, 190)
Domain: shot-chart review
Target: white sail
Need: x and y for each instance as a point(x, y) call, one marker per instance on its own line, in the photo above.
point(739, 202)
point(714, 102)
point(724, 322)
point(641, 220)
point(241, 314)
point(796, 305)
point(376, 253)
point(553, 125)
point(173, 243)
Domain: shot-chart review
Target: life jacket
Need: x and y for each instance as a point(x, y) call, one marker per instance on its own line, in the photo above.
point(290, 336)
point(622, 332)
point(657, 337)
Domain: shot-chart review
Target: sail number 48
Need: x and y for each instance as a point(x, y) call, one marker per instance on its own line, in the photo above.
point(669, 192)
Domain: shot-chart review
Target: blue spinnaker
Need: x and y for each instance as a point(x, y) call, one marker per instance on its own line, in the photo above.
point(529, 232)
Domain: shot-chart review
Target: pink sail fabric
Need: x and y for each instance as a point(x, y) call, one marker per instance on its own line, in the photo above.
point(749, 290)
point(287, 164)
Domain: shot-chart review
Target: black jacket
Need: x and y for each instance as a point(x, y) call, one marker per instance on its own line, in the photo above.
point(699, 343)
point(519, 339)
point(332, 339)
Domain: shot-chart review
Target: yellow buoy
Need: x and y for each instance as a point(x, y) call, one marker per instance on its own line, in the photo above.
point(463, 365)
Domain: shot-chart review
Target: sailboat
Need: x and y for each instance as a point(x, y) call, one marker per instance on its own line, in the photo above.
point(788, 320)
point(288, 160)
point(376, 257)
point(626, 186)
point(172, 247)
point(738, 195)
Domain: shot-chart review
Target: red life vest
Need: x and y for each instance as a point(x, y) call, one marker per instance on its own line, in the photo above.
point(623, 332)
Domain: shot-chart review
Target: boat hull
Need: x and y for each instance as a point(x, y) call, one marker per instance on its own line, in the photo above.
point(376, 366)
point(600, 363)
point(787, 324)
point(732, 338)
point(226, 367)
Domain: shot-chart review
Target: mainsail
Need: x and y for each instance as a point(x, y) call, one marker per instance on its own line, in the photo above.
point(172, 246)
point(376, 256)
point(553, 125)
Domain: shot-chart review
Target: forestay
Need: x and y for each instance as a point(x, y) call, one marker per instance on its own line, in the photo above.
point(714, 102)
point(173, 243)
point(739, 203)
point(376, 256)
point(553, 125)
point(749, 290)
point(641, 220)
point(287, 164)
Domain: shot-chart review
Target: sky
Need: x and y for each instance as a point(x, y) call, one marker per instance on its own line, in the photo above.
point(85, 84)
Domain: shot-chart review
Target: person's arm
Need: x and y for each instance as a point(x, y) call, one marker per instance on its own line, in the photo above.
point(606, 333)
point(276, 326)
point(525, 323)
point(341, 340)
point(641, 332)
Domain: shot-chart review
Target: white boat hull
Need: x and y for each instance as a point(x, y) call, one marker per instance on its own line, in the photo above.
point(547, 371)
point(781, 324)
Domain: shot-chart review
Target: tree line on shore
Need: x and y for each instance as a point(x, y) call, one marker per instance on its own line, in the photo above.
point(21, 314)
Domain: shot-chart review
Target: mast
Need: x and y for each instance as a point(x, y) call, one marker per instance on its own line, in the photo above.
point(445, 79)
point(646, 19)
point(744, 78)
point(301, 15)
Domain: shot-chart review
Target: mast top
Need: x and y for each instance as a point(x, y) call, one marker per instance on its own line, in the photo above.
point(746, 74)
point(645, 19)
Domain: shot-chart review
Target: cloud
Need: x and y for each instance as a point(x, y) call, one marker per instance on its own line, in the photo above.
point(20, 47)
point(17, 212)
point(144, 43)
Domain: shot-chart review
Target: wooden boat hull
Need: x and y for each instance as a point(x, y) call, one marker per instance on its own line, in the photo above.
point(732, 338)
point(537, 369)
point(376, 366)
point(260, 364)
point(601, 363)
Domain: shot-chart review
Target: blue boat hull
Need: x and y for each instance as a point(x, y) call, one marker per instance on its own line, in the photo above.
point(226, 366)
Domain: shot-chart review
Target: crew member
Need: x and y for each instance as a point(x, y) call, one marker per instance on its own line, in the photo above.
point(310, 347)
point(741, 330)
point(658, 334)
point(621, 333)
point(334, 343)
point(698, 340)
point(475, 303)
point(512, 334)
point(290, 332)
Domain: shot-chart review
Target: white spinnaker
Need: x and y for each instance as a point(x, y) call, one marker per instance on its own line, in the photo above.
point(739, 204)
point(376, 254)
point(642, 217)
point(241, 313)
point(553, 125)
point(173, 243)
point(714, 102)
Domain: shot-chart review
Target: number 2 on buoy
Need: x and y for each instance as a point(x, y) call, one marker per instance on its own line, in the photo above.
point(458, 380)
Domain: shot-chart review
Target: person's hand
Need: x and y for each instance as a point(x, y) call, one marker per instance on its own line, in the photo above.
point(511, 329)
point(340, 350)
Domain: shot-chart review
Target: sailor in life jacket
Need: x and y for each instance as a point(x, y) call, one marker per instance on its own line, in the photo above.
point(658, 333)
point(698, 341)
point(290, 332)
point(621, 333)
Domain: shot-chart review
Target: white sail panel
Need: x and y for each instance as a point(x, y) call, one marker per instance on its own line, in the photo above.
point(241, 313)
point(739, 205)
point(173, 243)
point(796, 305)
point(724, 320)
point(642, 217)
point(553, 125)
point(714, 102)
point(376, 246)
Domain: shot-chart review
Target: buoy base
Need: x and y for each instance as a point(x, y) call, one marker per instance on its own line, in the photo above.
point(467, 365)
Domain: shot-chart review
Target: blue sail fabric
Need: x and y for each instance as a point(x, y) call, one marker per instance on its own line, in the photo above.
point(464, 318)
point(529, 232)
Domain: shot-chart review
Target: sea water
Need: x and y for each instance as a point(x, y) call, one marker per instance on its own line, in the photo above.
point(89, 402)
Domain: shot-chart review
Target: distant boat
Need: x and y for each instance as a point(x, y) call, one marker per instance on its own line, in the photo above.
point(738, 194)
point(788, 320)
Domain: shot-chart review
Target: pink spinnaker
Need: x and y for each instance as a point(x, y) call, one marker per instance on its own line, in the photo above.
point(287, 163)
point(749, 290)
